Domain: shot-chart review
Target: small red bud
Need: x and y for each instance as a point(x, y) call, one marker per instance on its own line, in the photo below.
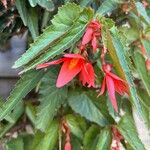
point(148, 64)
point(67, 146)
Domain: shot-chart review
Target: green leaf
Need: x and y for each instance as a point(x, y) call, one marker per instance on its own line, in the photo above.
point(83, 105)
point(84, 3)
point(33, 3)
point(33, 22)
point(146, 44)
point(127, 128)
point(48, 5)
point(142, 12)
point(91, 137)
point(61, 23)
point(108, 6)
point(48, 140)
point(119, 50)
point(51, 99)
point(105, 139)
point(74, 126)
point(31, 112)
point(16, 114)
point(29, 17)
point(68, 40)
point(14, 144)
point(27, 82)
point(142, 70)
point(21, 6)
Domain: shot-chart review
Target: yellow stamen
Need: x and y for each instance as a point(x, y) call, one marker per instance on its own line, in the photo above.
point(73, 63)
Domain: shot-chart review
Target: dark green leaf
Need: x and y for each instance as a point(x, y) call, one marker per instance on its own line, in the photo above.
point(127, 128)
point(51, 99)
point(142, 70)
point(83, 105)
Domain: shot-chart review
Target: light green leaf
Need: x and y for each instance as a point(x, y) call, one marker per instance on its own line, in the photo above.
point(146, 45)
point(83, 105)
point(14, 144)
point(108, 6)
point(142, 70)
point(61, 23)
point(33, 3)
point(105, 139)
point(51, 99)
point(127, 128)
point(27, 82)
point(48, 140)
point(141, 10)
point(91, 137)
point(120, 53)
point(74, 126)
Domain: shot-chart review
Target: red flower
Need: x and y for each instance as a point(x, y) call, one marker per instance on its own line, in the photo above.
point(113, 83)
point(93, 32)
point(72, 65)
point(66, 130)
point(145, 4)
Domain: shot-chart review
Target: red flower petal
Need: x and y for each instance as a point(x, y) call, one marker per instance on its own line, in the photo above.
point(87, 75)
point(120, 87)
point(66, 74)
point(73, 56)
point(55, 62)
point(94, 43)
point(87, 36)
point(102, 90)
point(111, 91)
point(115, 77)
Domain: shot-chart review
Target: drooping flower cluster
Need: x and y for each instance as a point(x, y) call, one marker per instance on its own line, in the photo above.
point(113, 83)
point(144, 53)
point(91, 36)
point(117, 137)
point(66, 130)
point(78, 64)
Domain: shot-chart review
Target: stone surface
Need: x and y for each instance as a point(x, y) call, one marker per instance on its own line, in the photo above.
point(8, 76)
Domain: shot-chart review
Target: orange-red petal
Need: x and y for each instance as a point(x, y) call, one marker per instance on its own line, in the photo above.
point(55, 62)
point(66, 74)
point(87, 36)
point(111, 91)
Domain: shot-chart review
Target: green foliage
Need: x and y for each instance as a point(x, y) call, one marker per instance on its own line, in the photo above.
point(48, 140)
point(51, 99)
point(83, 105)
point(74, 113)
point(127, 128)
point(142, 70)
point(105, 139)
